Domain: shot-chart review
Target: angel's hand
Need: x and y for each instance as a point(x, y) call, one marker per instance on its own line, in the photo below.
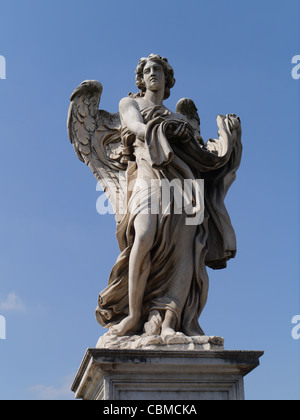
point(179, 129)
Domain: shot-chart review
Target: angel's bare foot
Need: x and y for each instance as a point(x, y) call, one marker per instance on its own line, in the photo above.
point(129, 324)
point(168, 326)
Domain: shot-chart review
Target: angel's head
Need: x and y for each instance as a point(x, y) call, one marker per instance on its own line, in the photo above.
point(168, 73)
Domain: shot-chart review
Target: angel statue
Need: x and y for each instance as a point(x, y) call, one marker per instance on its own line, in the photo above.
point(159, 283)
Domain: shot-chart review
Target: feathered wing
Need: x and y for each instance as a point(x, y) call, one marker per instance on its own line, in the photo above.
point(188, 108)
point(96, 137)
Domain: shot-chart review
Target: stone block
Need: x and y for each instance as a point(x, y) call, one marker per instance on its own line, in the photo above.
point(126, 374)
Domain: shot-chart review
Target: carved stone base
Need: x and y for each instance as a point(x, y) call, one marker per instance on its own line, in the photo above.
point(175, 342)
point(163, 374)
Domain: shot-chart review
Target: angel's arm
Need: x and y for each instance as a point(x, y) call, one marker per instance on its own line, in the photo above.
point(131, 117)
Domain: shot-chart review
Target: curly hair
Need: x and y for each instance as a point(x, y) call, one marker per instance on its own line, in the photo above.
point(168, 71)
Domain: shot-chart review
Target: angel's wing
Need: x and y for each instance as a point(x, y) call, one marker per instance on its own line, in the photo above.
point(188, 108)
point(96, 137)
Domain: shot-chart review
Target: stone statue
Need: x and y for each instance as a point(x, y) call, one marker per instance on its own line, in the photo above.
point(159, 283)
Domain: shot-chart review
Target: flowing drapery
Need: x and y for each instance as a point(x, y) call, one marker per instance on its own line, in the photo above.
point(178, 279)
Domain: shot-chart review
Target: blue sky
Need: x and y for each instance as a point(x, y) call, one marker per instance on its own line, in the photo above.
point(56, 251)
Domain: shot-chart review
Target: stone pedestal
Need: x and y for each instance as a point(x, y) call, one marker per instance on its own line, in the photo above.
point(114, 374)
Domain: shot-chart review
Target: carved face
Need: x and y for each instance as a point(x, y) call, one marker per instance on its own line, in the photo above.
point(154, 76)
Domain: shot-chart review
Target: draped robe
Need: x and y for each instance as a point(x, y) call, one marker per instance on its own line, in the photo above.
point(178, 279)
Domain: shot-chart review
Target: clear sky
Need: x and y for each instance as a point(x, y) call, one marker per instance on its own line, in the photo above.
point(56, 251)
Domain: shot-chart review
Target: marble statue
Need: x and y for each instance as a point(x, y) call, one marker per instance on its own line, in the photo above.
point(159, 283)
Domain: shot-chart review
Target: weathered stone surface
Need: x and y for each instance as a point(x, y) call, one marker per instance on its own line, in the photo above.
point(109, 374)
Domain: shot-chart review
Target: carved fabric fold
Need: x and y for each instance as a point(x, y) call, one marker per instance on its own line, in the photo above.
point(178, 279)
